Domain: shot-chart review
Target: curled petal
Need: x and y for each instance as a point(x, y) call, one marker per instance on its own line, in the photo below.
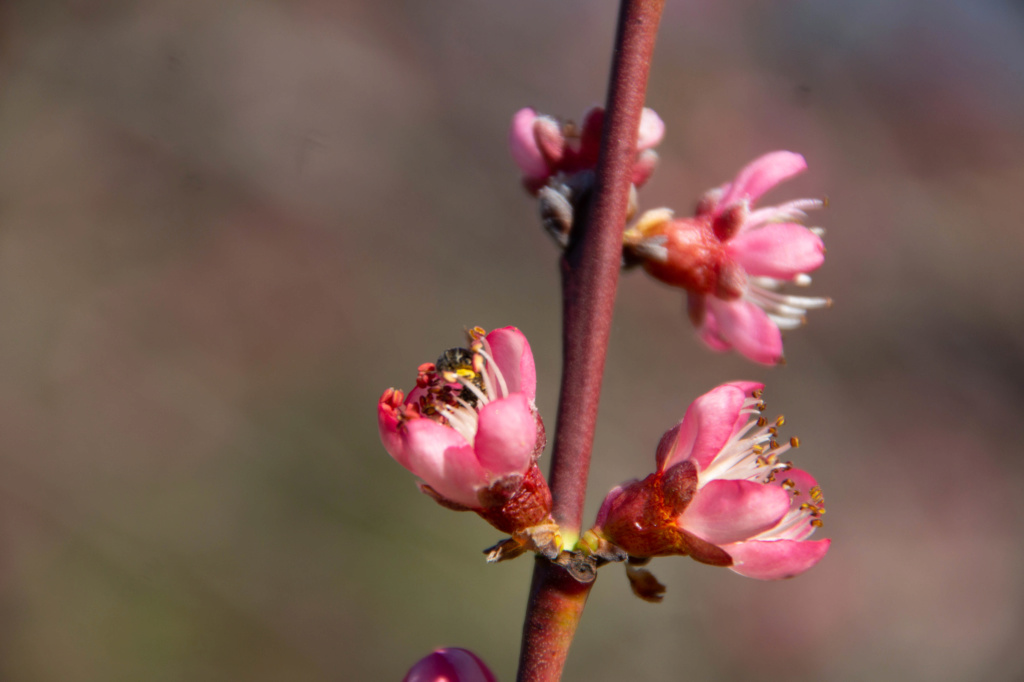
point(443, 459)
point(523, 145)
point(709, 422)
point(727, 511)
point(775, 559)
point(780, 250)
point(747, 328)
point(513, 356)
point(450, 665)
point(507, 435)
point(652, 130)
point(761, 174)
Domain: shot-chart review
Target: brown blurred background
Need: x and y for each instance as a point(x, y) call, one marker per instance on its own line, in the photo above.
point(226, 227)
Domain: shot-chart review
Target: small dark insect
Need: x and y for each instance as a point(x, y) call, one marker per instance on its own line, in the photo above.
point(459, 361)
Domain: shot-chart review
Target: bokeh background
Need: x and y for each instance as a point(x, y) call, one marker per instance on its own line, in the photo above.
point(226, 227)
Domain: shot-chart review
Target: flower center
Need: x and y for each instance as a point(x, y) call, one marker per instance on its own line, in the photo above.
point(459, 384)
point(753, 457)
point(754, 454)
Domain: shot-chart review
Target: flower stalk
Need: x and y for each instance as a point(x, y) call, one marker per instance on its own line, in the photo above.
point(590, 275)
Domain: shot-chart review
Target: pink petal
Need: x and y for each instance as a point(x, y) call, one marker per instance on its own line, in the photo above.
point(711, 334)
point(523, 145)
point(652, 130)
point(511, 352)
point(748, 388)
point(450, 665)
point(761, 174)
point(731, 511)
point(709, 422)
point(748, 329)
point(507, 436)
point(443, 459)
point(780, 250)
point(775, 559)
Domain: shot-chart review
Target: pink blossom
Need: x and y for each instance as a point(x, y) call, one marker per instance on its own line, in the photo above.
point(722, 493)
point(544, 147)
point(470, 426)
point(450, 665)
point(732, 260)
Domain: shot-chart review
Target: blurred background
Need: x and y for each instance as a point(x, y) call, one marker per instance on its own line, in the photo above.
point(226, 227)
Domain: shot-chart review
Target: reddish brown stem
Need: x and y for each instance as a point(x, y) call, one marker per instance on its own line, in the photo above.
point(590, 277)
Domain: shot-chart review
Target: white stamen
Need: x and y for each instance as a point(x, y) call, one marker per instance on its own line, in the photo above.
point(493, 366)
point(463, 421)
point(791, 211)
point(786, 322)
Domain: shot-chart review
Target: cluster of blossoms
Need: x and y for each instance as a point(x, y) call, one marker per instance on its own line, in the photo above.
point(731, 259)
point(722, 492)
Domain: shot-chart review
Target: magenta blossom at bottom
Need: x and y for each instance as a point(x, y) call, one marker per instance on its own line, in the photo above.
point(722, 493)
point(450, 665)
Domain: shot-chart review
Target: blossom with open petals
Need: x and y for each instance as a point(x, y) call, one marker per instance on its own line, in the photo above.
point(722, 493)
point(732, 260)
point(544, 147)
point(471, 431)
point(450, 665)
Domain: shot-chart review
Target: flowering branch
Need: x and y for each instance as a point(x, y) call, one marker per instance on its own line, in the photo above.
point(590, 275)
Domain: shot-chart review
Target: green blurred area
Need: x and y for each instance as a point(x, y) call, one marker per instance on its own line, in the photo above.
point(226, 228)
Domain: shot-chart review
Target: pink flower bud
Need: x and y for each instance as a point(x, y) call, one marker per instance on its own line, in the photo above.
point(722, 493)
point(522, 144)
point(543, 148)
point(450, 665)
point(471, 431)
point(737, 259)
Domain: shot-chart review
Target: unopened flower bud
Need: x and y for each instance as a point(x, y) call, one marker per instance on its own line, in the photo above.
point(450, 665)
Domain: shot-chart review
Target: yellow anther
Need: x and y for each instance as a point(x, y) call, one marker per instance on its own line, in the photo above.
point(817, 523)
point(761, 421)
point(794, 442)
point(780, 420)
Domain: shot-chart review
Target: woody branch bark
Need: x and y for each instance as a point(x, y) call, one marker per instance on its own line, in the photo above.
point(590, 277)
